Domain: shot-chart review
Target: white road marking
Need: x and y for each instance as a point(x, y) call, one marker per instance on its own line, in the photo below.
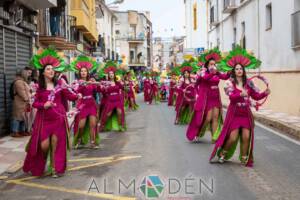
point(278, 133)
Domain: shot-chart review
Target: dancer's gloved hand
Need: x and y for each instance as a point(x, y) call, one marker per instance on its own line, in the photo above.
point(79, 96)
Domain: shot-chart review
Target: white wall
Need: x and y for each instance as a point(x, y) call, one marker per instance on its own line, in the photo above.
point(276, 51)
point(106, 27)
point(195, 38)
point(123, 26)
point(272, 46)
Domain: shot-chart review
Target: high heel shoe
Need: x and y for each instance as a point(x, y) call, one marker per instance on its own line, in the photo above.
point(244, 160)
point(222, 156)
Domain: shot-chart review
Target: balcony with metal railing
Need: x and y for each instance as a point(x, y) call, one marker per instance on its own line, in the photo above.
point(59, 30)
point(137, 40)
point(4, 14)
point(229, 6)
point(296, 30)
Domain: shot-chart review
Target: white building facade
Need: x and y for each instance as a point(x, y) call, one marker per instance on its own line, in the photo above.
point(134, 39)
point(271, 30)
point(195, 24)
point(157, 54)
point(106, 20)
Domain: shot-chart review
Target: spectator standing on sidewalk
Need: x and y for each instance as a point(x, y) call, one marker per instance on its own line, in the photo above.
point(29, 71)
point(21, 97)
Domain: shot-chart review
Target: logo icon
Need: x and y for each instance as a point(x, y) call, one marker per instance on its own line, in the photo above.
point(152, 186)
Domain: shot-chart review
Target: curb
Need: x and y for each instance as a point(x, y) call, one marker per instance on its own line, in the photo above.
point(286, 128)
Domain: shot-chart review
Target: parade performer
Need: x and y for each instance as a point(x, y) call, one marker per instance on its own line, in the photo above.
point(154, 92)
point(239, 122)
point(113, 115)
point(85, 126)
point(186, 94)
point(147, 87)
point(208, 106)
point(129, 87)
point(163, 91)
point(103, 80)
point(173, 82)
point(49, 140)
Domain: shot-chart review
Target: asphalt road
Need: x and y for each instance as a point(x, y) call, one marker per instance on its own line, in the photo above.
point(154, 149)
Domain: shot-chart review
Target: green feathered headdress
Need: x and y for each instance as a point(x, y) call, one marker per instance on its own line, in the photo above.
point(121, 72)
point(146, 74)
point(239, 56)
point(84, 62)
point(48, 57)
point(110, 66)
point(175, 71)
point(214, 54)
point(187, 66)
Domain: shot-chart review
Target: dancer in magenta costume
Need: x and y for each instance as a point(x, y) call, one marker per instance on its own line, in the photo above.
point(113, 115)
point(154, 92)
point(208, 106)
point(163, 92)
point(49, 138)
point(129, 90)
point(186, 94)
point(103, 99)
point(239, 122)
point(147, 88)
point(85, 125)
point(172, 88)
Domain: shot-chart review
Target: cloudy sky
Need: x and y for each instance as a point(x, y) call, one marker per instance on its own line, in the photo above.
point(167, 16)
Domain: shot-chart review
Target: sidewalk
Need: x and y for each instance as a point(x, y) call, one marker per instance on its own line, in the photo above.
point(12, 154)
point(289, 125)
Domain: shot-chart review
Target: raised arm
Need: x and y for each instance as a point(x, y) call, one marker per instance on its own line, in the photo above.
point(206, 75)
point(69, 94)
point(254, 93)
point(224, 76)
